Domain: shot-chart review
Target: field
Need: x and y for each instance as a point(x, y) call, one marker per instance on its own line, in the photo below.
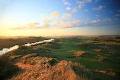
point(97, 58)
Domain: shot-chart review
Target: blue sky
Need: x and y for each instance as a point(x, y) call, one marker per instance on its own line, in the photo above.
point(93, 15)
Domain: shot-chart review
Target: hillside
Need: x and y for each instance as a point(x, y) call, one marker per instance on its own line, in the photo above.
point(71, 58)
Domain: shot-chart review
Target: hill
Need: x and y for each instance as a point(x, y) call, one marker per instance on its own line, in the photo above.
point(70, 58)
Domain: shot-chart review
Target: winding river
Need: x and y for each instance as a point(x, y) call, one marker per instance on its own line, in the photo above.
point(6, 50)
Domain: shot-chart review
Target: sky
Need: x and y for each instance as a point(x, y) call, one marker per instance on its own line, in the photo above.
point(59, 17)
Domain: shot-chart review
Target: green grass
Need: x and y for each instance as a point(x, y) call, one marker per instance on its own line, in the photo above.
point(63, 49)
point(90, 60)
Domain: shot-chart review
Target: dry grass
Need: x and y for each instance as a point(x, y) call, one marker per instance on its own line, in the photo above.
point(44, 69)
point(79, 53)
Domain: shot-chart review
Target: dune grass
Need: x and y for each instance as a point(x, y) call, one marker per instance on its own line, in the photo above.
point(106, 59)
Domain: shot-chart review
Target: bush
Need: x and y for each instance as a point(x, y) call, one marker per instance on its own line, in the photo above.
point(7, 69)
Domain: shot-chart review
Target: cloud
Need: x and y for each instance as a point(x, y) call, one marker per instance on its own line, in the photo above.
point(74, 23)
point(95, 21)
point(55, 14)
point(32, 25)
point(82, 3)
point(98, 22)
point(55, 19)
point(66, 2)
point(67, 5)
point(117, 14)
point(78, 5)
point(99, 8)
point(68, 8)
point(66, 21)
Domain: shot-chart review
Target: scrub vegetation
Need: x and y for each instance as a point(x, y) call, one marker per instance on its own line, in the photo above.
point(85, 58)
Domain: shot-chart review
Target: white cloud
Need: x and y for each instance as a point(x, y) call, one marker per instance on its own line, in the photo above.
point(68, 8)
point(98, 8)
point(95, 21)
point(78, 5)
point(67, 3)
point(55, 19)
point(82, 3)
point(64, 21)
point(32, 25)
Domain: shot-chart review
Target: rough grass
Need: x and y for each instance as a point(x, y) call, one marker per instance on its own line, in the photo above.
point(97, 64)
point(7, 68)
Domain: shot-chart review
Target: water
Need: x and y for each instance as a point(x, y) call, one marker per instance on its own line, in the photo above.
point(6, 50)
